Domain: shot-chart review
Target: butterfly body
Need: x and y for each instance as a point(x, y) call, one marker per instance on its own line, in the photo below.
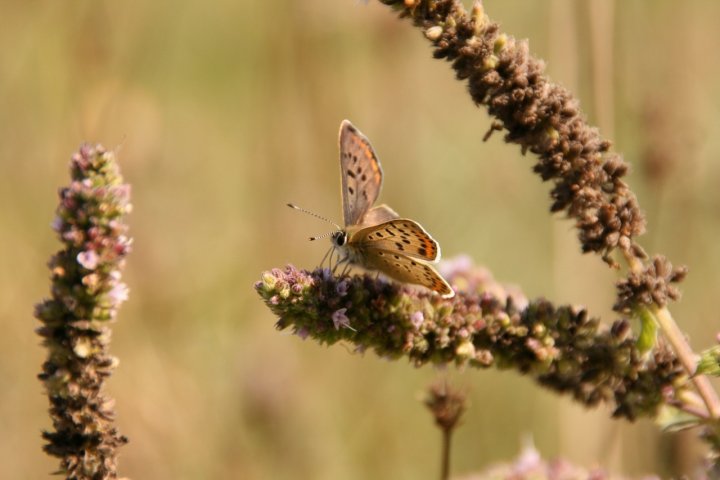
point(376, 238)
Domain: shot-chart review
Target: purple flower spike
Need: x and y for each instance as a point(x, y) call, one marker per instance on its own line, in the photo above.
point(485, 324)
point(75, 330)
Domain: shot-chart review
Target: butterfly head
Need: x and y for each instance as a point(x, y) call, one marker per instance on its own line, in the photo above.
point(339, 238)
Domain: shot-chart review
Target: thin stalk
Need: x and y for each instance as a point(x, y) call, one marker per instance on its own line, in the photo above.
point(445, 471)
point(687, 357)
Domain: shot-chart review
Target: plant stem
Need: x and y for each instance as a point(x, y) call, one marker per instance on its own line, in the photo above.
point(445, 472)
point(676, 338)
point(687, 357)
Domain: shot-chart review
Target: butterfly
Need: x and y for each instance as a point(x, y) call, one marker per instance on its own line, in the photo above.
point(377, 238)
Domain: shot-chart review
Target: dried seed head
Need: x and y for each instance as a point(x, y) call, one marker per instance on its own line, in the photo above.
point(446, 405)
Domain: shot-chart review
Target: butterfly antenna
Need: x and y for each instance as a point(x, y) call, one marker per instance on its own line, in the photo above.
point(291, 205)
point(324, 235)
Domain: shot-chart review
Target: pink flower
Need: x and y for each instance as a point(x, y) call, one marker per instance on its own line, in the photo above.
point(119, 293)
point(417, 319)
point(458, 265)
point(88, 259)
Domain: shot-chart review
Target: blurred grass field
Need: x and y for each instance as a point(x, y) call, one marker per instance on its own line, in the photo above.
point(223, 112)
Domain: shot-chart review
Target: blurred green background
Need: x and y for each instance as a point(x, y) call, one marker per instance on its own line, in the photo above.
point(222, 112)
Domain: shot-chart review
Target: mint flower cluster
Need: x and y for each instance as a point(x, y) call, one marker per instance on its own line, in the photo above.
point(484, 325)
point(85, 295)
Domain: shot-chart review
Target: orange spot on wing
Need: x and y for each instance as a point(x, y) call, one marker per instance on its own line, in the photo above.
point(367, 151)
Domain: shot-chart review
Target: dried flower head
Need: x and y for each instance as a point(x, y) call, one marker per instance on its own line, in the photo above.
point(655, 285)
point(446, 404)
point(541, 117)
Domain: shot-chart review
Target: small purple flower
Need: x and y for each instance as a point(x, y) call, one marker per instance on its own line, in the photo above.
point(119, 293)
point(56, 224)
point(73, 236)
point(326, 274)
point(122, 192)
point(528, 461)
point(302, 332)
point(88, 259)
point(457, 265)
point(123, 245)
point(518, 297)
point(340, 319)
point(342, 287)
point(417, 319)
point(85, 152)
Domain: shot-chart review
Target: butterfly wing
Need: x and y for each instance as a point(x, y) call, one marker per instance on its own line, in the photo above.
point(405, 269)
point(397, 248)
point(402, 236)
point(380, 214)
point(360, 173)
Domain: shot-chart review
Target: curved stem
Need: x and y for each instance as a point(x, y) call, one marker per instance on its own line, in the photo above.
point(682, 349)
point(687, 357)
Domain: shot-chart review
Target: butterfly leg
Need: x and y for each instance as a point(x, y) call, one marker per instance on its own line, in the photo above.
point(334, 267)
point(345, 270)
point(325, 257)
point(345, 261)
